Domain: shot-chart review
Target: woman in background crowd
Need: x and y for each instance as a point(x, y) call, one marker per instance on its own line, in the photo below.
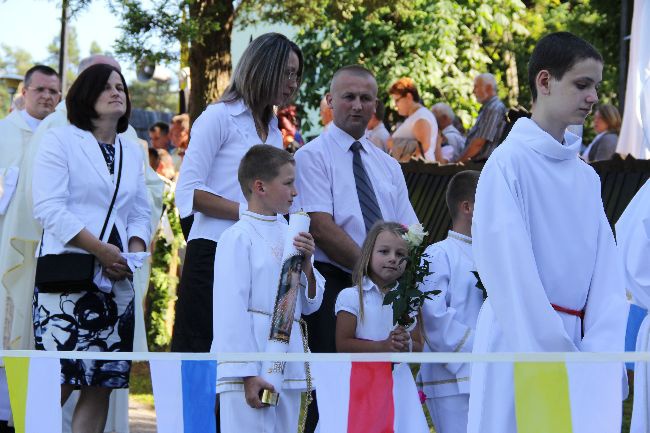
point(417, 135)
point(607, 123)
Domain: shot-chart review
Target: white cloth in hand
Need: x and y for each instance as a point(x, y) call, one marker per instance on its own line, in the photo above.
point(133, 260)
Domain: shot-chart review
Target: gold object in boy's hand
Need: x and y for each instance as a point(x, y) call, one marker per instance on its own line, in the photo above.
point(269, 397)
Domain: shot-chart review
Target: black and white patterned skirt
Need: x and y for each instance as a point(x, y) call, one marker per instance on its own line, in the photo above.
point(88, 322)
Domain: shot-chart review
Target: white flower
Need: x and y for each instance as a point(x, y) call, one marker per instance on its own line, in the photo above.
point(415, 235)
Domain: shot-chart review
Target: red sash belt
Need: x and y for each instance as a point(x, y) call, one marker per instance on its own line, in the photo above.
point(577, 313)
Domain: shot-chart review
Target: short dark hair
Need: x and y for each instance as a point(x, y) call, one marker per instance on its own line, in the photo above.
point(262, 162)
point(461, 187)
point(85, 91)
point(557, 53)
point(45, 70)
point(162, 126)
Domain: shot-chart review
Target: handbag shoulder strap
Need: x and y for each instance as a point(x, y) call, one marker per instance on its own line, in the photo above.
point(117, 187)
point(110, 208)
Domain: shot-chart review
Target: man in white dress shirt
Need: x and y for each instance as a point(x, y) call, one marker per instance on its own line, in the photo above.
point(345, 183)
point(41, 92)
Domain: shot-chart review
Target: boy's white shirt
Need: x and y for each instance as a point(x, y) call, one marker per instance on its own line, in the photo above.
point(246, 276)
point(449, 318)
point(540, 236)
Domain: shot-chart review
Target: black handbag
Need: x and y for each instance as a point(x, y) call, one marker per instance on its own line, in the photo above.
point(71, 272)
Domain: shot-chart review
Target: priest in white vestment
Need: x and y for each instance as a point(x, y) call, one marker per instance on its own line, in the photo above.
point(542, 243)
point(633, 237)
point(41, 92)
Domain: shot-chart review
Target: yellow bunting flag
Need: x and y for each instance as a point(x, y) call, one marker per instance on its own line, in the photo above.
point(17, 378)
point(542, 397)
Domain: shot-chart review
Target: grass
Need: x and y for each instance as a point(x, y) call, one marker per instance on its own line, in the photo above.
point(140, 384)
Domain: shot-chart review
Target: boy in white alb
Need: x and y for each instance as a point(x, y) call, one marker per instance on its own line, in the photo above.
point(546, 255)
point(247, 270)
point(449, 318)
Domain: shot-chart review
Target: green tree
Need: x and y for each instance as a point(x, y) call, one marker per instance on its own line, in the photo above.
point(74, 55)
point(152, 95)
point(198, 33)
point(95, 48)
point(441, 45)
point(597, 21)
point(12, 61)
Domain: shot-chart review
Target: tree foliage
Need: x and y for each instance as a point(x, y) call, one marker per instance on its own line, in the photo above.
point(152, 95)
point(441, 44)
point(74, 55)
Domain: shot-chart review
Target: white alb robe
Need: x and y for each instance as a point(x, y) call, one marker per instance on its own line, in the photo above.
point(540, 236)
point(15, 322)
point(246, 275)
point(633, 237)
point(449, 320)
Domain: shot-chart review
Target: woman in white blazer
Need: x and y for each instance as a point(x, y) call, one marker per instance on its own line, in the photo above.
point(267, 75)
point(75, 174)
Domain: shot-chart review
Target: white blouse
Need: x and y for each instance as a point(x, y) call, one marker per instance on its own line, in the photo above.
point(220, 137)
point(377, 321)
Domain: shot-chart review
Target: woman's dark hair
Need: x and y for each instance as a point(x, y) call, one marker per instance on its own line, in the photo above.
point(84, 92)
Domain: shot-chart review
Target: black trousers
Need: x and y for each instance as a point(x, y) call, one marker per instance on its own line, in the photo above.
point(322, 324)
point(193, 321)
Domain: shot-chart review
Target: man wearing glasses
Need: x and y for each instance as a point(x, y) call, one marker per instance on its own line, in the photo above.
point(41, 93)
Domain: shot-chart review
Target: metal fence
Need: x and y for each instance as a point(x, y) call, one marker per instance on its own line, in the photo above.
point(427, 183)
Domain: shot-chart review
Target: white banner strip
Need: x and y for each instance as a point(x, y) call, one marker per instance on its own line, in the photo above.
point(413, 358)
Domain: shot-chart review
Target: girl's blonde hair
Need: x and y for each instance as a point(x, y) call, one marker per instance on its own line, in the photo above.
point(361, 267)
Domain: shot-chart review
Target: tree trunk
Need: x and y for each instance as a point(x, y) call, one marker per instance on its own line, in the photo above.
point(209, 56)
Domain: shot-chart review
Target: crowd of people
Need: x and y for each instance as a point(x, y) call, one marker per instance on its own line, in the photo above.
point(531, 225)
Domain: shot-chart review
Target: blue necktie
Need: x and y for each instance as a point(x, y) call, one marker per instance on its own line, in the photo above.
point(367, 198)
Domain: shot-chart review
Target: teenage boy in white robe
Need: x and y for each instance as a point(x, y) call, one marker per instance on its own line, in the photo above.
point(247, 270)
point(545, 252)
point(449, 318)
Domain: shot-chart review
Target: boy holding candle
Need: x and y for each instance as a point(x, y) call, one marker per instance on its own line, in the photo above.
point(247, 270)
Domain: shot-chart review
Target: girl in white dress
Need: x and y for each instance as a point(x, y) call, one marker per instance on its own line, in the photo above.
point(364, 324)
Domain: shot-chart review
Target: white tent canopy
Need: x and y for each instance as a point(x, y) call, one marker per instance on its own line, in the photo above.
point(636, 118)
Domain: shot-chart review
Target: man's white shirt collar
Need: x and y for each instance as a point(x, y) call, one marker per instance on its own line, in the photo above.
point(32, 122)
point(345, 140)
